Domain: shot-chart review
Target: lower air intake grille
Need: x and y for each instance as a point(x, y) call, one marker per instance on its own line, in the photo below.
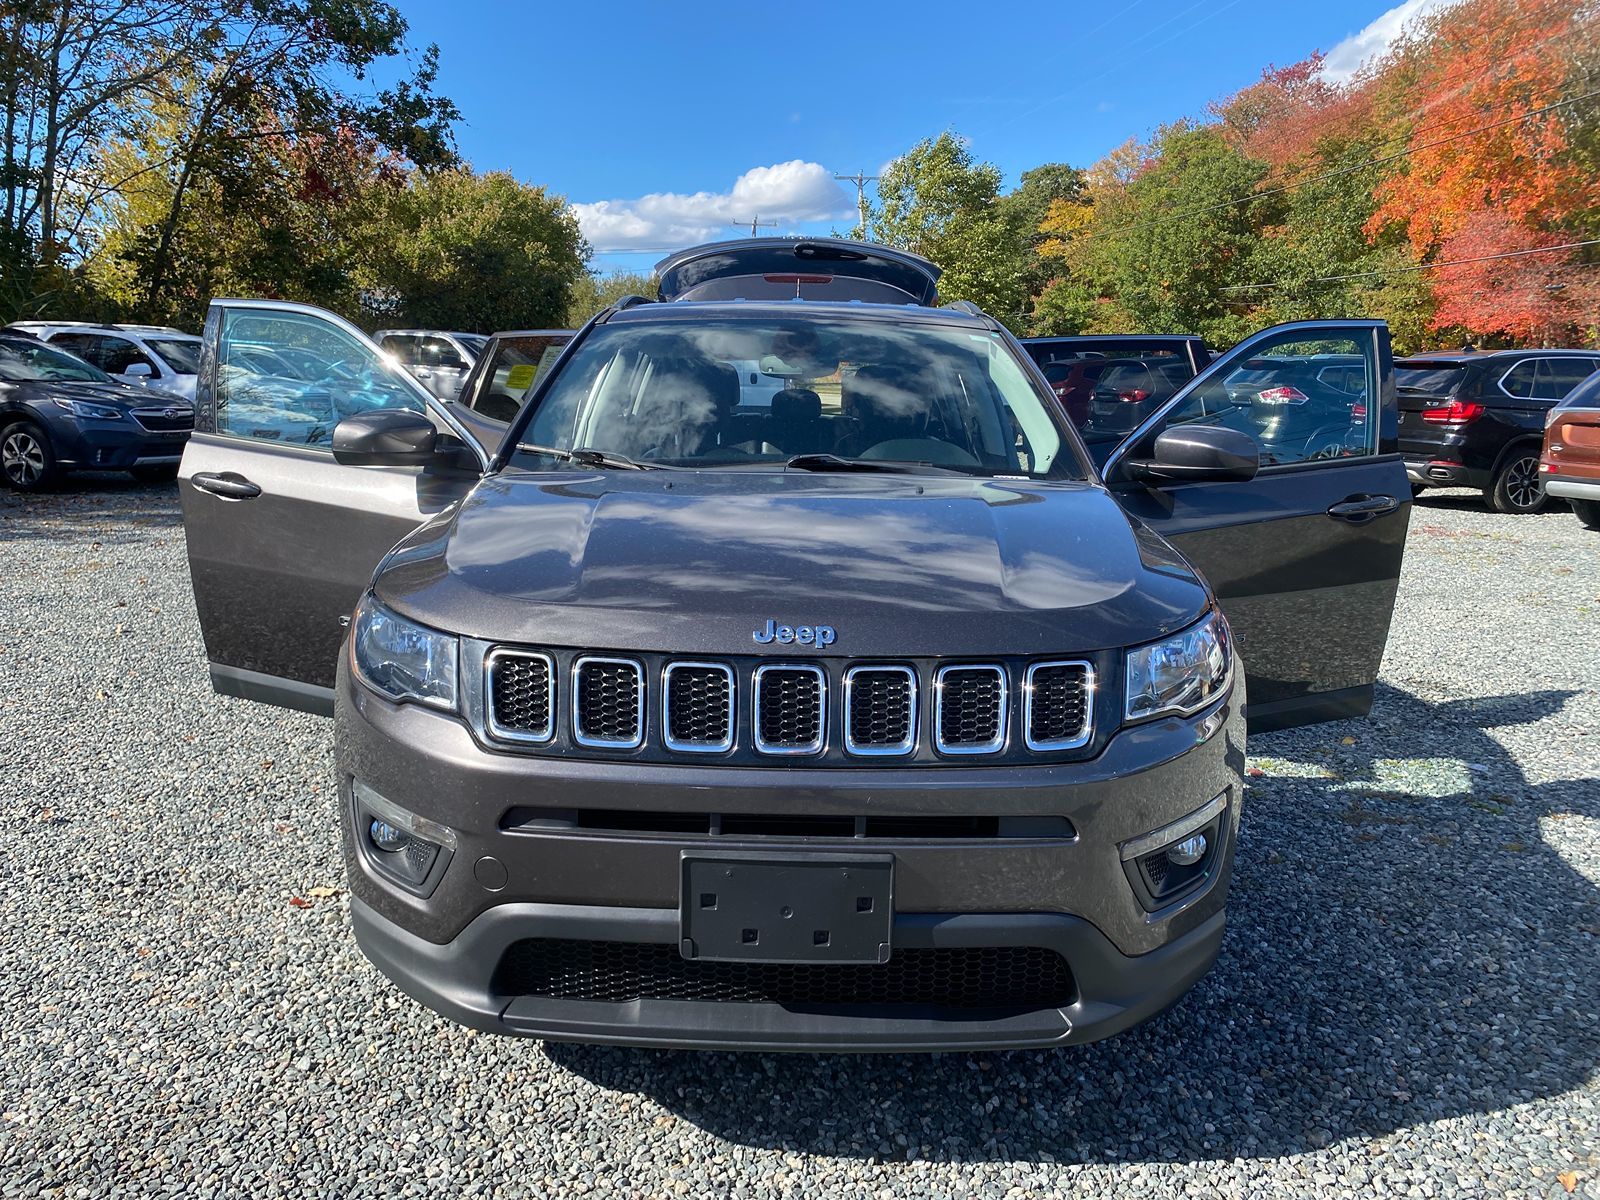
point(608, 705)
point(1007, 978)
point(1058, 705)
point(789, 709)
point(972, 710)
point(520, 695)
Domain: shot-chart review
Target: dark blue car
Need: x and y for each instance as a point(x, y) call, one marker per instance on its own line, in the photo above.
point(59, 413)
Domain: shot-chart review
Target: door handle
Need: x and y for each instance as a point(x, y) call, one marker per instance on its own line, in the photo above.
point(1357, 509)
point(227, 485)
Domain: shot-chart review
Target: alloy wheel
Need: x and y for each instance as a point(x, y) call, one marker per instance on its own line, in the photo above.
point(1523, 484)
point(22, 458)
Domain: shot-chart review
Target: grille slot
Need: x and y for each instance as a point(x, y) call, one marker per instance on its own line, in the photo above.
point(970, 713)
point(880, 710)
point(697, 707)
point(790, 709)
point(650, 823)
point(522, 696)
point(978, 978)
point(1059, 698)
point(157, 421)
point(608, 702)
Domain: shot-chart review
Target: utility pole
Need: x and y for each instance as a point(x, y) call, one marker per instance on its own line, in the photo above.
point(860, 179)
point(755, 223)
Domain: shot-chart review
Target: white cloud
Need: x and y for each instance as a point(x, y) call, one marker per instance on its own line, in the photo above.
point(1346, 58)
point(788, 193)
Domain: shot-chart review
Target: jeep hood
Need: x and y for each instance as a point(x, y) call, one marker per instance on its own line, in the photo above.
point(693, 563)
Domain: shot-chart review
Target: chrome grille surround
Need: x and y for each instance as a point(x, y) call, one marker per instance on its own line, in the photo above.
point(669, 710)
point(156, 419)
point(945, 694)
point(515, 733)
point(773, 671)
point(904, 745)
point(581, 673)
point(1032, 701)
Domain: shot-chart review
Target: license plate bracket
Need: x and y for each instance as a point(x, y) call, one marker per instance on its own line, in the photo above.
point(738, 906)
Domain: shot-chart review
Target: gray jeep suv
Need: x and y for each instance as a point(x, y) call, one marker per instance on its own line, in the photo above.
point(870, 716)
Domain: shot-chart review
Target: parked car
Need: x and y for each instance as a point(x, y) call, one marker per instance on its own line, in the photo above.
point(59, 413)
point(1570, 464)
point(867, 718)
point(1313, 406)
point(1477, 419)
point(152, 356)
point(1109, 383)
point(440, 358)
point(507, 371)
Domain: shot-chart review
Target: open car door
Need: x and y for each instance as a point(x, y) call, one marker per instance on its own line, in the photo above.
point(285, 530)
point(1305, 557)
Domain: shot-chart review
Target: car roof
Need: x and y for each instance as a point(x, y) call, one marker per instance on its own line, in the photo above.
point(1462, 358)
point(1113, 340)
point(429, 333)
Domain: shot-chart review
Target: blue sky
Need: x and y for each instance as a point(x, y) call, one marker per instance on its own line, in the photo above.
point(662, 123)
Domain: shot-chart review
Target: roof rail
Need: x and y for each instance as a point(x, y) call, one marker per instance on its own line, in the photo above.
point(631, 300)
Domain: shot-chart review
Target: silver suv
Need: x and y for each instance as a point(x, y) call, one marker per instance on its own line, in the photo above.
point(153, 356)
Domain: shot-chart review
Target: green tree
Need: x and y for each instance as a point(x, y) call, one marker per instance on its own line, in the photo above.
point(936, 201)
point(591, 293)
point(455, 250)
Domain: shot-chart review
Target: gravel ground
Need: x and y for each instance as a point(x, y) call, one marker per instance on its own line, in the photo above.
point(1408, 1002)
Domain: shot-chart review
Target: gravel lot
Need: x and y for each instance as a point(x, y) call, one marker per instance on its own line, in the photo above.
point(1408, 1002)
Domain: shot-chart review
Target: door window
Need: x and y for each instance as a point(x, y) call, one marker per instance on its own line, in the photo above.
point(404, 348)
point(1281, 396)
point(1558, 376)
point(519, 363)
point(1522, 379)
point(120, 354)
point(341, 376)
point(90, 347)
point(436, 352)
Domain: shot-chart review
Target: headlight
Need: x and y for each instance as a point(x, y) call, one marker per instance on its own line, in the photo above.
point(1181, 674)
point(402, 660)
point(92, 412)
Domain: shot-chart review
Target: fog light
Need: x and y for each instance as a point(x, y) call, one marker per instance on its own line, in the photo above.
point(387, 837)
point(1188, 852)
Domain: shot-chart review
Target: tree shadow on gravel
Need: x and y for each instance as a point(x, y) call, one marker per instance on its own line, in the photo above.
point(1404, 945)
point(90, 507)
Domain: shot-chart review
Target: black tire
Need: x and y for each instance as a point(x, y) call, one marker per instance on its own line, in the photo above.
point(1518, 487)
point(164, 473)
point(27, 460)
point(1588, 512)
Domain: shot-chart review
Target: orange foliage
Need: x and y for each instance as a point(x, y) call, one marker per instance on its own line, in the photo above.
point(1530, 298)
point(1282, 118)
point(1482, 63)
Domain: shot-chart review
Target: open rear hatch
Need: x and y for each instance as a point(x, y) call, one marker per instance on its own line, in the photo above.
point(770, 268)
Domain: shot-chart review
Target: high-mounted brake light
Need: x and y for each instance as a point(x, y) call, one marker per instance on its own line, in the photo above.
point(1282, 395)
point(798, 278)
point(1454, 412)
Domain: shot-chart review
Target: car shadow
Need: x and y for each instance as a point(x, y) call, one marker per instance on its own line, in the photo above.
point(90, 507)
point(1405, 945)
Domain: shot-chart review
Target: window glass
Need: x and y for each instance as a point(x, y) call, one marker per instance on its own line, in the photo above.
point(120, 354)
point(941, 396)
point(518, 365)
point(1558, 376)
point(1436, 381)
point(25, 360)
point(436, 352)
point(403, 347)
point(90, 347)
point(1520, 380)
point(1278, 397)
point(290, 378)
point(181, 354)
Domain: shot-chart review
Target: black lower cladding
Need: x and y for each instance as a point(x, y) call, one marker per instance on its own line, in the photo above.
point(981, 978)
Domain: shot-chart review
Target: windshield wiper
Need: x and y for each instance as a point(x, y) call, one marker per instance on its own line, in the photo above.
point(588, 458)
point(834, 462)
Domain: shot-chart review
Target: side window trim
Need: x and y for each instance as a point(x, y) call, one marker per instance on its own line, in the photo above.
point(1245, 349)
point(1506, 374)
point(206, 381)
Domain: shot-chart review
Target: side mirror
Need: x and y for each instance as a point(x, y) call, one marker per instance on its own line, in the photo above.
point(1199, 454)
point(138, 371)
point(385, 437)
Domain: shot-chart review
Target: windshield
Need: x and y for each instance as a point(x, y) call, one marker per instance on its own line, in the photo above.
point(181, 354)
point(22, 361)
point(675, 393)
point(1441, 381)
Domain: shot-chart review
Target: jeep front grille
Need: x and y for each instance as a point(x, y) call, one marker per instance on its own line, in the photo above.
point(1057, 696)
point(880, 710)
point(697, 707)
point(791, 709)
point(971, 714)
point(522, 695)
point(608, 702)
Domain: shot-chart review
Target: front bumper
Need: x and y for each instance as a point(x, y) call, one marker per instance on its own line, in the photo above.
point(117, 446)
point(504, 885)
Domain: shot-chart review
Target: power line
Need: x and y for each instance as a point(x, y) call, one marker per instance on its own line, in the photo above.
point(1456, 262)
point(1360, 166)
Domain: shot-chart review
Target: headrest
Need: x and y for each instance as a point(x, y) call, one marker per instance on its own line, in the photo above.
point(796, 404)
